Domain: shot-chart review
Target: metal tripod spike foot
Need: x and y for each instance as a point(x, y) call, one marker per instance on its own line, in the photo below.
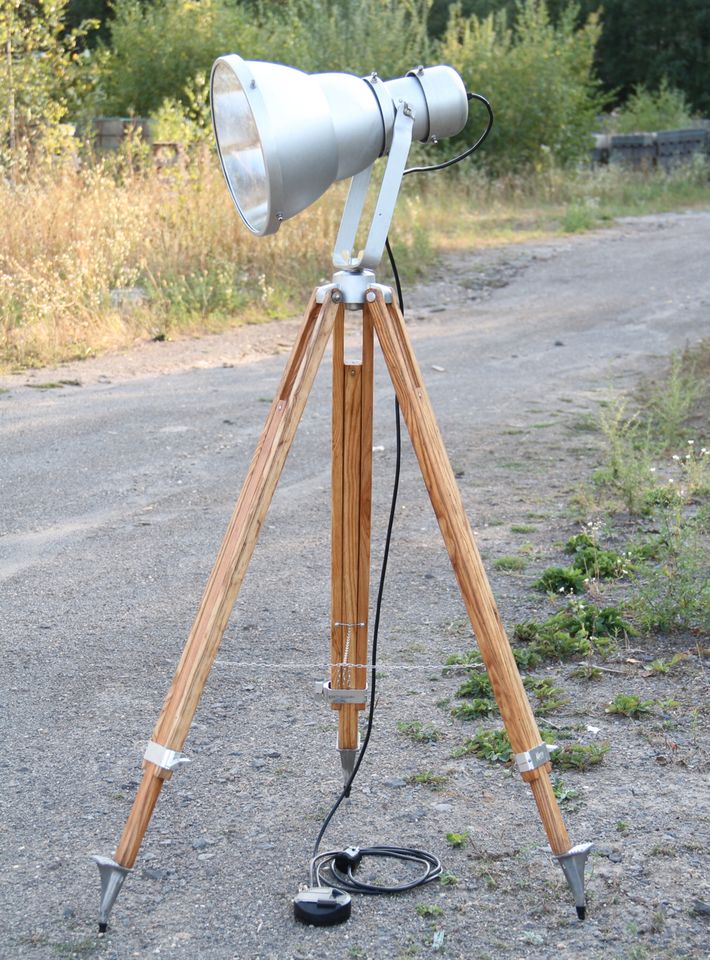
point(112, 876)
point(348, 759)
point(573, 863)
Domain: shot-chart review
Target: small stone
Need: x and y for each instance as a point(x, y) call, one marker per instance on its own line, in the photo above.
point(272, 754)
point(700, 908)
point(395, 782)
point(258, 763)
point(151, 873)
point(443, 807)
point(69, 913)
point(127, 297)
point(559, 343)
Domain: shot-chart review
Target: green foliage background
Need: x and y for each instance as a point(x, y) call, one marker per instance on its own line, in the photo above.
point(665, 109)
point(641, 42)
point(538, 73)
point(539, 76)
point(536, 60)
point(43, 80)
point(157, 48)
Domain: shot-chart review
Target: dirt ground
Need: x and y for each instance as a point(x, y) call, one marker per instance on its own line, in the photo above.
point(115, 491)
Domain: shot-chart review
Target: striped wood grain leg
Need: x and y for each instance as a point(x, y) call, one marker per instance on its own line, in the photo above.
point(351, 507)
point(465, 558)
point(231, 565)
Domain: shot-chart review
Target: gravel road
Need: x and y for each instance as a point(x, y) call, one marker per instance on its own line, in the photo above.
point(115, 489)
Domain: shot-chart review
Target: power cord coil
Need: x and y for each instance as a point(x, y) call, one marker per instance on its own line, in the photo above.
point(338, 867)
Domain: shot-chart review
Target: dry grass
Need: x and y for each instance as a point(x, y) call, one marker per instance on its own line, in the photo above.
point(520, 208)
point(96, 258)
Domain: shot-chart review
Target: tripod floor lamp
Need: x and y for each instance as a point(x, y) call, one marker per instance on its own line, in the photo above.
point(284, 137)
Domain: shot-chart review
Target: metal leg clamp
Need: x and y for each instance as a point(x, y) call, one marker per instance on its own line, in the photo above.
point(332, 694)
point(572, 864)
point(534, 758)
point(163, 757)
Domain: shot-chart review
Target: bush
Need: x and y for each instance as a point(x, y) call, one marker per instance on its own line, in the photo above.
point(572, 632)
point(388, 36)
point(578, 756)
point(651, 110)
point(538, 76)
point(592, 561)
point(560, 580)
point(674, 592)
point(628, 705)
point(158, 48)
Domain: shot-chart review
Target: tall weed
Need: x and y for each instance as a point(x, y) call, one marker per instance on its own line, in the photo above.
point(638, 441)
point(670, 407)
point(628, 469)
point(674, 590)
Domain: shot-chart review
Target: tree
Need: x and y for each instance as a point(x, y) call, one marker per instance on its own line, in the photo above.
point(539, 77)
point(388, 36)
point(157, 48)
point(642, 41)
point(646, 40)
point(100, 11)
point(43, 77)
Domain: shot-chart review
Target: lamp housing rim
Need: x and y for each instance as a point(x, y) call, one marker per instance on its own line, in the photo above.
point(267, 142)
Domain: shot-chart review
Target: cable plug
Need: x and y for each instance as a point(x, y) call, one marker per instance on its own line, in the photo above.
point(347, 859)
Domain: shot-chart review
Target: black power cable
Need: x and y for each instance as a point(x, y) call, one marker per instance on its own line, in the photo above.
point(339, 865)
point(467, 152)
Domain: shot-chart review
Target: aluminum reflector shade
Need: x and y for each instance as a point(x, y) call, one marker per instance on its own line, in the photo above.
point(285, 136)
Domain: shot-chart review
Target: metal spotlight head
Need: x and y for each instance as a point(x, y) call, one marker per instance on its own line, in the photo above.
point(285, 136)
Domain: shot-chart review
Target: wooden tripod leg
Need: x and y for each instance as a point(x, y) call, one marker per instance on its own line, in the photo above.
point(465, 558)
point(231, 565)
point(351, 506)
